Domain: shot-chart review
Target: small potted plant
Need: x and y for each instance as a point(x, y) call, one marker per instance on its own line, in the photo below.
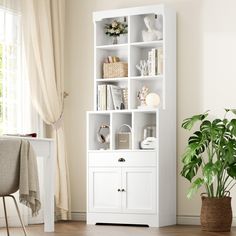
point(210, 161)
point(115, 29)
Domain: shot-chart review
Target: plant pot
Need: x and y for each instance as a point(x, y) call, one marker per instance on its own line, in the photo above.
point(216, 214)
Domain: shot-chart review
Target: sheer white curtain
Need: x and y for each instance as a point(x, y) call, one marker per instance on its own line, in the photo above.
point(43, 23)
point(16, 113)
point(43, 33)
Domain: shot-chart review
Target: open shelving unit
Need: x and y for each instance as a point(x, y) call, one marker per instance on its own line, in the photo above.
point(117, 190)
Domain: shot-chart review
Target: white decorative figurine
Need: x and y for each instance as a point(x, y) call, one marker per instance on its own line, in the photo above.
point(143, 67)
point(154, 29)
point(142, 94)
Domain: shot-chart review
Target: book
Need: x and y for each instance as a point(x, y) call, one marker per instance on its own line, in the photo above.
point(110, 59)
point(150, 63)
point(117, 97)
point(125, 97)
point(31, 135)
point(115, 59)
point(99, 98)
point(102, 98)
point(111, 97)
point(110, 105)
point(154, 61)
point(160, 61)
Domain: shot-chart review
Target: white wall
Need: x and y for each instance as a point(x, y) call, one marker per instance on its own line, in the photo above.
point(206, 64)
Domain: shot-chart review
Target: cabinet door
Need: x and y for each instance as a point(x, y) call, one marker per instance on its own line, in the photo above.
point(139, 190)
point(104, 190)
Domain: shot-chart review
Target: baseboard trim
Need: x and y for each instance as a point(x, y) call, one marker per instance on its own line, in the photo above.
point(195, 220)
point(180, 220)
point(78, 216)
point(188, 220)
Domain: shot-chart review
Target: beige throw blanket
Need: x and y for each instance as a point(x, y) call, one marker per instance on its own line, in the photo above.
point(29, 183)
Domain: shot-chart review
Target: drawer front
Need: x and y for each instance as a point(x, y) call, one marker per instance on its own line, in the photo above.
point(122, 159)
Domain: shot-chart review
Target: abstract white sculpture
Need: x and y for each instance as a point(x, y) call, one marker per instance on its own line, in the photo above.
point(143, 67)
point(154, 29)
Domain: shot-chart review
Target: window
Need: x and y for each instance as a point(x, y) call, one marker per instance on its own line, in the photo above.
point(15, 107)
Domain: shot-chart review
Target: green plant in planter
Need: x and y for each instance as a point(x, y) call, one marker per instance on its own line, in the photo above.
point(210, 156)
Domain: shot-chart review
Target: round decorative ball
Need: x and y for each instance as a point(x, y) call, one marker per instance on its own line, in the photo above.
point(153, 100)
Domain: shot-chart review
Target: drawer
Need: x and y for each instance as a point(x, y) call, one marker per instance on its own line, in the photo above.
point(122, 159)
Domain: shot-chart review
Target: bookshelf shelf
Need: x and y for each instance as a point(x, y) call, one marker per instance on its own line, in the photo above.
point(121, 151)
point(142, 173)
point(151, 44)
point(128, 111)
point(155, 77)
point(113, 46)
point(112, 79)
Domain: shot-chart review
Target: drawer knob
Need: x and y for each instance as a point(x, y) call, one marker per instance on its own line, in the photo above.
point(118, 190)
point(122, 190)
point(121, 160)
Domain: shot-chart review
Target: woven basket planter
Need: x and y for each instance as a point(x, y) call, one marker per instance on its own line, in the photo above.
point(115, 69)
point(216, 214)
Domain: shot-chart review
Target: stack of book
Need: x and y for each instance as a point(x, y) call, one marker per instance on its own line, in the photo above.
point(155, 60)
point(111, 97)
point(112, 59)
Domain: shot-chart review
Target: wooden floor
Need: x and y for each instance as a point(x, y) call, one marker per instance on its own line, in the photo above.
point(81, 229)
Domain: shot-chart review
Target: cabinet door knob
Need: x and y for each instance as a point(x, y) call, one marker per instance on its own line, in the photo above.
point(122, 190)
point(121, 160)
point(118, 190)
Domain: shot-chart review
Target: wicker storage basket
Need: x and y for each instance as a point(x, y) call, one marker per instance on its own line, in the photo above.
point(216, 214)
point(115, 69)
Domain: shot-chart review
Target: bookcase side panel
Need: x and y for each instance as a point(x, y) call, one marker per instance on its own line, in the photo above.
point(167, 150)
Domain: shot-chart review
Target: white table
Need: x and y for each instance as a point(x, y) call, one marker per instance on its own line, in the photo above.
point(45, 148)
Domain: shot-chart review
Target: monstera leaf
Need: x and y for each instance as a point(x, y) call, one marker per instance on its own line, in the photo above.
point(213, 130)
point(191, 169)
point(189, 122)
point(232, 126)
point(195, 186)
point(229, 151)
point(198, 142)
point(232, 170)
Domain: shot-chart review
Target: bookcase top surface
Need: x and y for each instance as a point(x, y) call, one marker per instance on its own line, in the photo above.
point(155, 9)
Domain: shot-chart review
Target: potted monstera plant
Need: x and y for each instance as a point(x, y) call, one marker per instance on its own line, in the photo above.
point(210, 161)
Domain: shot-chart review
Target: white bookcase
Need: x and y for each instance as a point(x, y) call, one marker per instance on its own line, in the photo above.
point(134, 186)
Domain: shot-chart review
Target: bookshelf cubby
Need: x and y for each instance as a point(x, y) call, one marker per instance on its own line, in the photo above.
point(135, 178)
point(141, 120)
point(102, 39)
point(118, 119)
point(137, 25)
point(153, 85)
point(95, 120)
